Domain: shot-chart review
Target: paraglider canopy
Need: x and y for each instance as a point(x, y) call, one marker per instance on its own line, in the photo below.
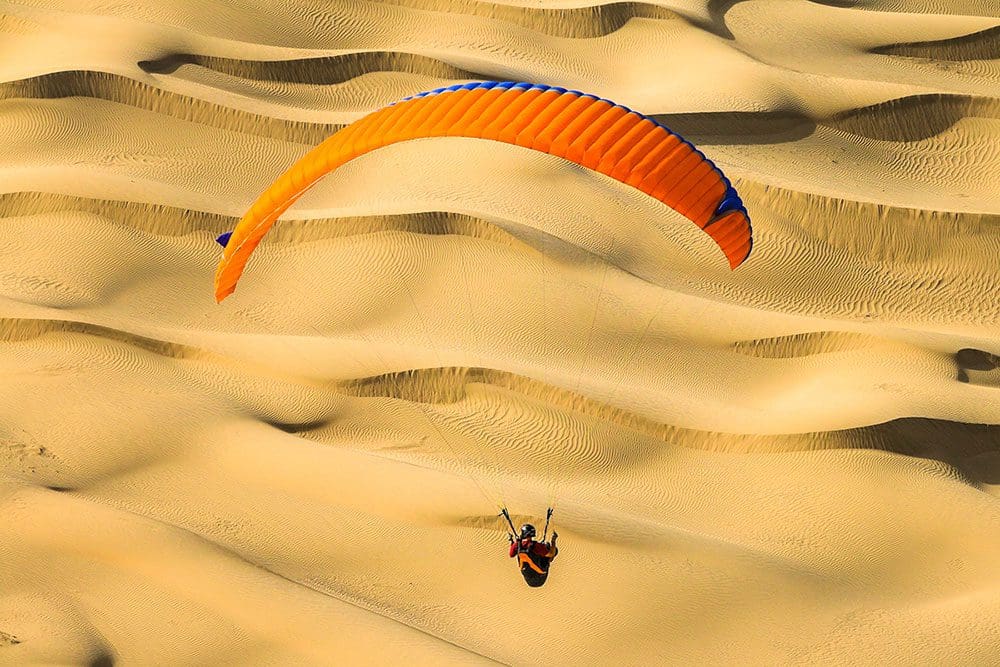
point(590, 131)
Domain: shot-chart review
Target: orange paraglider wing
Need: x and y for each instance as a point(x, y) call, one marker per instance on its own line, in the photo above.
point(590, 131)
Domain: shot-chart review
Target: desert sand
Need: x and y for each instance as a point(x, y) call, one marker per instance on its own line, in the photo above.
point(794, 462)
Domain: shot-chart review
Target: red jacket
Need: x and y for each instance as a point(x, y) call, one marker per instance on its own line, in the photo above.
point(534, 548)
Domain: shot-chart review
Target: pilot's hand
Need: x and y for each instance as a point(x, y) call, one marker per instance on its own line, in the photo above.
point(510, 538)
point(554, 535)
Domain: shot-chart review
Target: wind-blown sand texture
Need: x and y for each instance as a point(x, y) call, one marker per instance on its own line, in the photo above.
point(794, 462)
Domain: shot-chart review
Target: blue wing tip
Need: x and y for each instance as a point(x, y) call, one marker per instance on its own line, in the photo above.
point(730, 201)
point(223, 239)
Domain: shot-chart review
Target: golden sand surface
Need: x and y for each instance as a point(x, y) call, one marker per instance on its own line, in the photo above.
point(797, 462)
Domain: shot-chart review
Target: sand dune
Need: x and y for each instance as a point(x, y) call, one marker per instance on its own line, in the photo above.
point(794, 462)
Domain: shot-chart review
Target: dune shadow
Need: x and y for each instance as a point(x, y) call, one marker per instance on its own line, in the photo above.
point(982, 45)
point(978, 360)
point(739, 127)
point(971, 449)
point(322, 71)
point(978, 367)
point(717, 9)
point(297, 427)
point(102, 659)
point(16, 330)
point(913, 118)
point(840, 4)
point(167, 64)
point(716, 23)
point(134, 93)
point(584, 22)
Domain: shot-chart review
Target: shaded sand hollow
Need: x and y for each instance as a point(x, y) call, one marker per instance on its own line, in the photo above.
point(796, 462)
